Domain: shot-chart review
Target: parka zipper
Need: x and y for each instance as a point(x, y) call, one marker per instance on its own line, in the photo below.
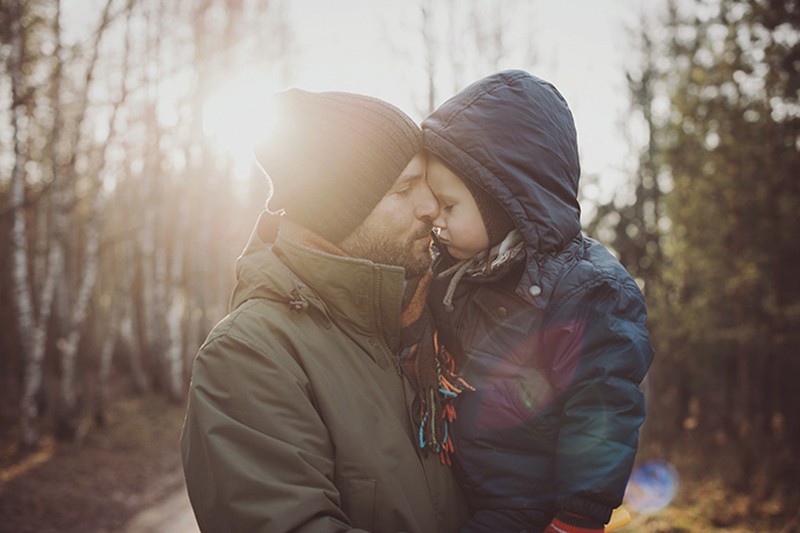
point(379, 324)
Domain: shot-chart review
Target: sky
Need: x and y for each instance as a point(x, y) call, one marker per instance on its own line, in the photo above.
point(374, 47)
point(581, 46)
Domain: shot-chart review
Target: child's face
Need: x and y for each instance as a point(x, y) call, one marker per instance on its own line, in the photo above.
point(460, 224)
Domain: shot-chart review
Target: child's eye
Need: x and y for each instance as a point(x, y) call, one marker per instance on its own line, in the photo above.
point(448, 207)
point(403, 192)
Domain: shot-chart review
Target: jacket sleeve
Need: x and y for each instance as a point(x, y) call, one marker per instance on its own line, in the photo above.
point(601, 352)
point(256, 455)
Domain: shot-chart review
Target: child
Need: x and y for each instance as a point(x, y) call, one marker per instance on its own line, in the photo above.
point(544, 323)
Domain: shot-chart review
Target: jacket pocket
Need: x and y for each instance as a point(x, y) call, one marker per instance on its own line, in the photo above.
point(358, 502)
point(502, 326)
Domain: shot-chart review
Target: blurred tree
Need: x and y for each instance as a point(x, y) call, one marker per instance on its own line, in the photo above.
point(28, 326)
point(120, 217)
point(51, 138)
point(93, 200)
point(467, 40)
point(722, 291)
point(735, 203)
point(632, 222)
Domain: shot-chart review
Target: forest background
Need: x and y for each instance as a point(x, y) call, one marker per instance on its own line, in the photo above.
point(126, 193)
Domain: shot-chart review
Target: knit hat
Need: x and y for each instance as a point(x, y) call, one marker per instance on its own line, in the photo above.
point(333, 157)
point(495, 218)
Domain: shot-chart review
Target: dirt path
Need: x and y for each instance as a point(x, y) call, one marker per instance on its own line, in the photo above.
point(172, 515)
point(125, 476)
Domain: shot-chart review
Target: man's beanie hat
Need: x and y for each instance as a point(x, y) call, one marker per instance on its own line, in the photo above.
point(333, 156)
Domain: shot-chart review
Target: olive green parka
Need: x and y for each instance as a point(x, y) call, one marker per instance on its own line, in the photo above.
point(298, 416)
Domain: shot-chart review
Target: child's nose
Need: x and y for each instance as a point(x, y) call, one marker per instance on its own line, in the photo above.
point(427, 206)
point(438, 222)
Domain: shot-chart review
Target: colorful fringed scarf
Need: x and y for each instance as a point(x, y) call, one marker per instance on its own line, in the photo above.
point(431, 369)
point(426, 363)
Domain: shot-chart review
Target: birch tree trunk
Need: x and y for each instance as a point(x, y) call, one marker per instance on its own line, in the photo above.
point(69, 344)
point(120, 319)
point(189, 260)
point(154, 260)
point(34, 309)
point(120, 330)
point(32, 362)
point(430, 54)
point(48, 259)
point(104, 368)
point(175, 321)
point(128, 335)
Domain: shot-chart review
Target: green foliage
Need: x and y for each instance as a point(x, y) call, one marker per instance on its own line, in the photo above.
point(733, 157)
point(724, 297)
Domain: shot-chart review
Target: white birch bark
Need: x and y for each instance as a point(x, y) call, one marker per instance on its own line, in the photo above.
point(177, 309)
point(155, 273)
point(120, 329)
point(48, 260)
point(104, 368)
point(68, 345)
point(32, 373)
point(120, 320)
point(40, 332)
point(128, 335)
point(50, 253)
point(147, 245)
point(174, 352)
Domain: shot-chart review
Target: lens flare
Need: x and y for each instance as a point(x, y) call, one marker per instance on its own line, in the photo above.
point(239, 115)
point(652, 487)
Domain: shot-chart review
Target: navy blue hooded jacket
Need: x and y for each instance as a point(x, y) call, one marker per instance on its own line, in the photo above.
point(556, 342)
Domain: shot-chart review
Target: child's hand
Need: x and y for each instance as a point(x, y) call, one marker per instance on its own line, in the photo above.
point(619, 518)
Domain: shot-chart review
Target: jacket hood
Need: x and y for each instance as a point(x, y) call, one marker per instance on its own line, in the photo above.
point(513, 134)
point(254, 279)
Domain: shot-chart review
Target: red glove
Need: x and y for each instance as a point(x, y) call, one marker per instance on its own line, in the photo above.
point(565, 522)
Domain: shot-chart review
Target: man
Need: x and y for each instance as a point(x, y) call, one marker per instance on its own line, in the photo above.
point(299, 415)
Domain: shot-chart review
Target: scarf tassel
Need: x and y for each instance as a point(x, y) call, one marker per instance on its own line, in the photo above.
point(437, 412)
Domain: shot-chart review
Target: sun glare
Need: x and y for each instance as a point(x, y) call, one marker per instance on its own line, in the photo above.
point(240, 115)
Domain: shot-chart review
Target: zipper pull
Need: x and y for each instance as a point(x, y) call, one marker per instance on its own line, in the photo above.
point(298, 304)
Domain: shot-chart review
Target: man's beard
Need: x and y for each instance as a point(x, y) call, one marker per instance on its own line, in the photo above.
point(381, 246)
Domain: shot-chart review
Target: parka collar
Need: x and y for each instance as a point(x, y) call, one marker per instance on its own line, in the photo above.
point(358, 293)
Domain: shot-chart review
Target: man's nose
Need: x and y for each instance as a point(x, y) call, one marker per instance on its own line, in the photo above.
point(427, 206)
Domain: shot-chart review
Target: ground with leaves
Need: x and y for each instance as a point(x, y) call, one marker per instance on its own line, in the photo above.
point(703, 503)
point(120, 469)
point(708, 508)
point(133, 464)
